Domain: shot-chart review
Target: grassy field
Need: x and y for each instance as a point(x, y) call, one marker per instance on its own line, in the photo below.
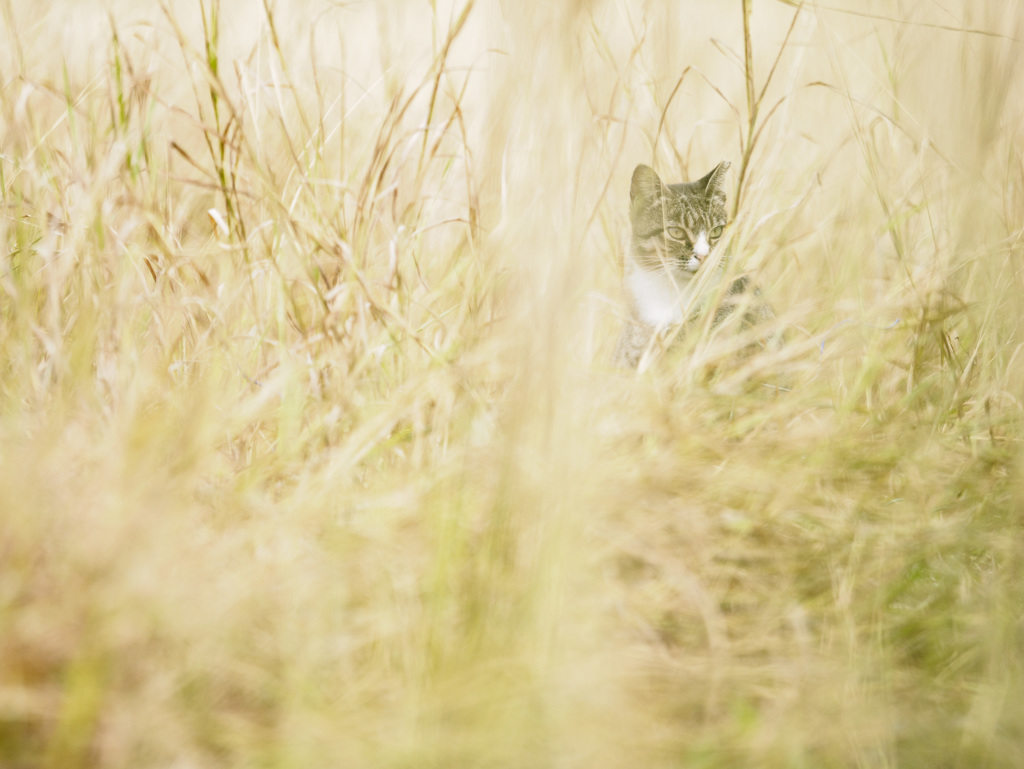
point(311, 453)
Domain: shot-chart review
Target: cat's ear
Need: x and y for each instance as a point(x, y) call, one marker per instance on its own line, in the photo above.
point(646, 184)
point(714, 183)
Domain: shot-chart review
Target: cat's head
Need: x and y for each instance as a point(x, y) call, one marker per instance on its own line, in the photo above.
point(675, 226)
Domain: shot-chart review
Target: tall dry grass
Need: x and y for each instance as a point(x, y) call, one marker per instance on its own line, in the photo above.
point(311, 453)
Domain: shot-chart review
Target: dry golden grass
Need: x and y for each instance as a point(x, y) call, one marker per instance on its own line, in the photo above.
point(311, 454)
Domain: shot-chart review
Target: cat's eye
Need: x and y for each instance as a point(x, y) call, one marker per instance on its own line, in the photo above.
point(717, 232)
point(676, 232)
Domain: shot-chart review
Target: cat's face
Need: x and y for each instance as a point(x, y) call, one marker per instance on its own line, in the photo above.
point(675, 226)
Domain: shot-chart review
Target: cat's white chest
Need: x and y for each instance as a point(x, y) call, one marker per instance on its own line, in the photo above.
point(658, 297)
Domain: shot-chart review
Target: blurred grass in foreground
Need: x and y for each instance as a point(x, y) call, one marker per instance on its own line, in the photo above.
point(339, 475)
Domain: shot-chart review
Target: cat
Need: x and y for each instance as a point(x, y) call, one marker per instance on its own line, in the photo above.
point(674, 229)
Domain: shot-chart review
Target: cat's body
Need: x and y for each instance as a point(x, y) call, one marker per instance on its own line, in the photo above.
point(674, 228)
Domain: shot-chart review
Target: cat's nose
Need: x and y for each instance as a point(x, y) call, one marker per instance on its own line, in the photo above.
point(701, 248)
